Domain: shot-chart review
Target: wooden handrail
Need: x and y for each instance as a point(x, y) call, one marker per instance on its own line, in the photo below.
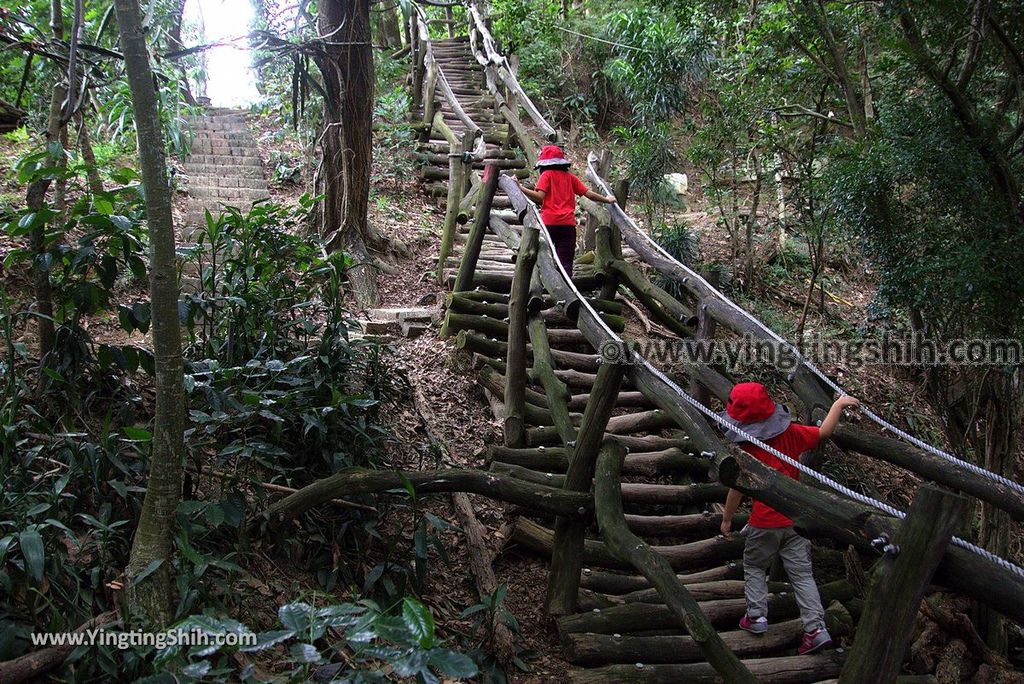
point(504, 73)
point(431, 64)
point(965, 571)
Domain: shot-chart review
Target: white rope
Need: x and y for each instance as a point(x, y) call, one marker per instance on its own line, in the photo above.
point(820, 477)
point(978, 470)
point(824, 479)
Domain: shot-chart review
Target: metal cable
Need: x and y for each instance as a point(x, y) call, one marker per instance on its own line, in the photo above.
point(978, 470)
point(824, 479)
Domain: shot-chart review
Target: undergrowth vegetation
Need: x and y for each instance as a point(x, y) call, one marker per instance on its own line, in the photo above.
point(279, 394)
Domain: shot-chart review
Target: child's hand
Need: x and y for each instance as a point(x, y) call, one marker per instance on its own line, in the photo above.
point(610, 199)
point(846, 401)
point(726, 527)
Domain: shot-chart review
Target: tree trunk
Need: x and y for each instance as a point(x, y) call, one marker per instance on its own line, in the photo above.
point(35, 199)
point(1001, 418)
point(389, 25)
point(346, 64)
point(92, 174)
point(154, 537)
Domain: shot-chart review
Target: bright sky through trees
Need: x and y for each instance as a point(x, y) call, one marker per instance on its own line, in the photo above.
point(230, 80)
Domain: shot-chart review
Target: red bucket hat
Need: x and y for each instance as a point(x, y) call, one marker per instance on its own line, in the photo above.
point(551, 156)
point(751, 409)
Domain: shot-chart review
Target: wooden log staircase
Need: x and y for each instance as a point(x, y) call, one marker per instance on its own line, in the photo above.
point(645, 590)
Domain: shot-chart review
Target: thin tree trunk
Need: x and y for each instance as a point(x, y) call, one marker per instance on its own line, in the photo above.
point(85, 146)
point(36, 198)
point(347, 67)
point(1001, 415)
point(154, 536)
point(60, 188)
point(752, 222)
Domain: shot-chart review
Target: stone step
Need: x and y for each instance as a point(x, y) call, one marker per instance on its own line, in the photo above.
point(218, 121)
point(210, 189)
point(222, 159)
point(233, 198)
point(413, 330)
point(232, 180)
point(202, 134)
point(219, 149)
point(403, 314)
point(253, 175)
point(372, 327)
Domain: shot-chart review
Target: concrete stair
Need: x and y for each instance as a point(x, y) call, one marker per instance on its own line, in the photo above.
point(224, 167)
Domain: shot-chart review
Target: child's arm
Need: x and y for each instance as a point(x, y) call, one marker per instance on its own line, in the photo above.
point(732, 502)
point(828, 426)
point(536, 195)
point(594, 197)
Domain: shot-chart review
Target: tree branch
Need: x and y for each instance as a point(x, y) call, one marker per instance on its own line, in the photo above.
point(975, 40)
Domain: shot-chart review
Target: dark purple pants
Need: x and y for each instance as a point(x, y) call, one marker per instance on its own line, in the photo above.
point(564, 238)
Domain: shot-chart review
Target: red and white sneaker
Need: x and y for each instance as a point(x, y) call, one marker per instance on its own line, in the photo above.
point(754, 626)
point(814, 641)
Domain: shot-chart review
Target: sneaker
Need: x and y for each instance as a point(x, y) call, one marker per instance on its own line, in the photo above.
point(754, 626)
point(814, 641)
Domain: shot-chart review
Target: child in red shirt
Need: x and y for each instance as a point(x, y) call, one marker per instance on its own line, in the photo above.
point(556, 192)
point(768, 532)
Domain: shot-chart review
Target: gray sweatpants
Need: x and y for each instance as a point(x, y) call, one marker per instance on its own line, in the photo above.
point(761, 546)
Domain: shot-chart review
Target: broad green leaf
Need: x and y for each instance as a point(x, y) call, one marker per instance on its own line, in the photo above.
point(419, 620)
point(452, 663)
point(137, 434)
point(33, 552)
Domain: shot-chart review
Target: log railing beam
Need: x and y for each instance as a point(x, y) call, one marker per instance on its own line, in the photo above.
point(471, 252)
point(628, 547)
point(567, 555)
point(516, 378)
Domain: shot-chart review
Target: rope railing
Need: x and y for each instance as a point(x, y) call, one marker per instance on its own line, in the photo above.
point(430, 62)
point(688, 412)
point(491, 56)
point(697, 284)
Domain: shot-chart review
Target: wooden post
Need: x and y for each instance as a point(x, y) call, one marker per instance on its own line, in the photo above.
point(567, 554)
point(706, 332)
point(455, 170)
point(666, 308)
point(898, 584)
point(608, 246)
point(515, 379)
point(604, 159)
point(554, 389)
point(621, 192)
point(449, 17)
point(429, 103)
point(417, 61)
point(626, 546)
point(471, 252)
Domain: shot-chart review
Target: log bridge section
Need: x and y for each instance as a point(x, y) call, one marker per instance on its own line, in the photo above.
point(615, 463)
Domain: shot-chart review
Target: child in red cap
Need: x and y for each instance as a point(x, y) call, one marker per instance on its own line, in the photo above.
point(768, 532)
point(556, 192)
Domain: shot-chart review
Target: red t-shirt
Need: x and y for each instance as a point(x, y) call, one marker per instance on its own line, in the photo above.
point(794, 441)
point(560, 189)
